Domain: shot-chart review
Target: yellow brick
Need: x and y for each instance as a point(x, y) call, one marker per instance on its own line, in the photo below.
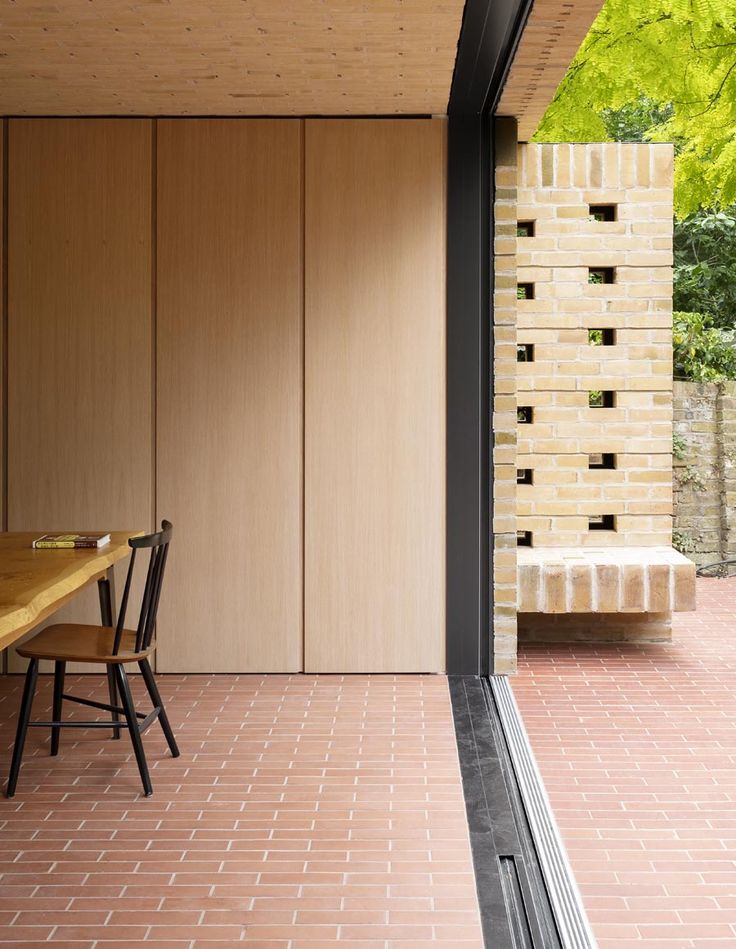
point(632, 593)
point(554, 590)
point(608, 577)
point(581, 588)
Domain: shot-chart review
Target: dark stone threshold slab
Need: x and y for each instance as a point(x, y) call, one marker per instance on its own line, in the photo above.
point(516, 912)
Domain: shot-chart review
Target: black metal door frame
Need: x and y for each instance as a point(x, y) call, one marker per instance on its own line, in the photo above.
point(490, 34)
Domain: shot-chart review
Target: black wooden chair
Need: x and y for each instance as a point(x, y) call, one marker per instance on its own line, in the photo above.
point(114, 646)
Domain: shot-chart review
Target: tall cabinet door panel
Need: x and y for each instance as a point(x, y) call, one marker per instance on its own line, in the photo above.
point(374, 395)
point(80, 385)
point(229, 393)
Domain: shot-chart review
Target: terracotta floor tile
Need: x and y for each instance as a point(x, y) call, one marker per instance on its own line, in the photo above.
point(149, 944)
point(303, 811)
point(14, 940)
point(636, 746)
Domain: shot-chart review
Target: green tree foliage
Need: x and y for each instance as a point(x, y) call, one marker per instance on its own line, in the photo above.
point(633, 121)
point(681, 56)
point(701, 352)
point(704, 242)
point(705, 265)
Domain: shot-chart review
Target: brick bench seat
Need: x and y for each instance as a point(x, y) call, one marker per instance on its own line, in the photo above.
point(604, 580)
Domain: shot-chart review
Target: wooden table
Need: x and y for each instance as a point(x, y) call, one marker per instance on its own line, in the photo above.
point(36, 583)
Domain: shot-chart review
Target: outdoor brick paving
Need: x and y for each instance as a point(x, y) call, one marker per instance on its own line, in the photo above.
point(303, 810)
point(637, 746)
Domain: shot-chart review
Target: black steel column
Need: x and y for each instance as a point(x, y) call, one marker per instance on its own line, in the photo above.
point(468, 393)
point(488, 39)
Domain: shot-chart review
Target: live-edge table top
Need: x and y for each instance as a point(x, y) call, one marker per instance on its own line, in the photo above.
point(36, 583)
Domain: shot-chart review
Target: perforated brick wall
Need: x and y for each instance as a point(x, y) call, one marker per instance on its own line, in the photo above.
point(595, 387)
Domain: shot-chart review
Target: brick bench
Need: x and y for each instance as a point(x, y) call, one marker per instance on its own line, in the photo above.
point(604, 580)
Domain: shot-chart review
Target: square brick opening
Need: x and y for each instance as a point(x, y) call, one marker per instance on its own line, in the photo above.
point(525, 291)
point(602, 337)
point(525, 352)
point(600, 275)
point(601, 461)
point(603, 213)
point(602, 522)
point(525, 414)
point(525, 229)
point(598, 399)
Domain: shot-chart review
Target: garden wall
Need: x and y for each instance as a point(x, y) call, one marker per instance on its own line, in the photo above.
point(705, 470)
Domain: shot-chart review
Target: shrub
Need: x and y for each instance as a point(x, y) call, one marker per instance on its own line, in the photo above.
point(705, 265)
point(701, 352)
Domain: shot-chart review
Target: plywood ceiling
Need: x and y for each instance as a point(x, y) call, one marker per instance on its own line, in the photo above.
point(227, 57)
point(554, 31)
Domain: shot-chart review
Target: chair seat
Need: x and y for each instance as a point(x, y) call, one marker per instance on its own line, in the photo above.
point(76, 642)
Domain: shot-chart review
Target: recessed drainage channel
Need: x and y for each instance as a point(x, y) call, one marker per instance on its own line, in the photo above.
point(527, 894)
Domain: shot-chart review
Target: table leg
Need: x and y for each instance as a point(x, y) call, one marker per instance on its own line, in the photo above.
point(106, 590)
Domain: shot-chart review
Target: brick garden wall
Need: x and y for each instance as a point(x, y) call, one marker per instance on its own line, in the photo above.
point(705, 470)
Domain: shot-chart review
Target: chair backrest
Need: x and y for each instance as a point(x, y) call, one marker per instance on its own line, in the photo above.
point(158, 544)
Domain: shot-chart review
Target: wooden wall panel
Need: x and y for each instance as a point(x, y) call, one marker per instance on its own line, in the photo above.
point(79, 328)
point(230, 393)
point(3, 318)
point(375, 396)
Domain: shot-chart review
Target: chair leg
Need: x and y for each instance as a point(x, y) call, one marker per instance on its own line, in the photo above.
point(24, 716)
point(163, 718)
point(59, 672)
point(113, 690)
point(135, 734)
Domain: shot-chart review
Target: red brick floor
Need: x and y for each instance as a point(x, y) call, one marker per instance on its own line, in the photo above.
point(637, 746)
point(303, 810)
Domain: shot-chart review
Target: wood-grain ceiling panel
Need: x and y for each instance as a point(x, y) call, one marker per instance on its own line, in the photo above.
point(554, 31)
point(227, 57)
